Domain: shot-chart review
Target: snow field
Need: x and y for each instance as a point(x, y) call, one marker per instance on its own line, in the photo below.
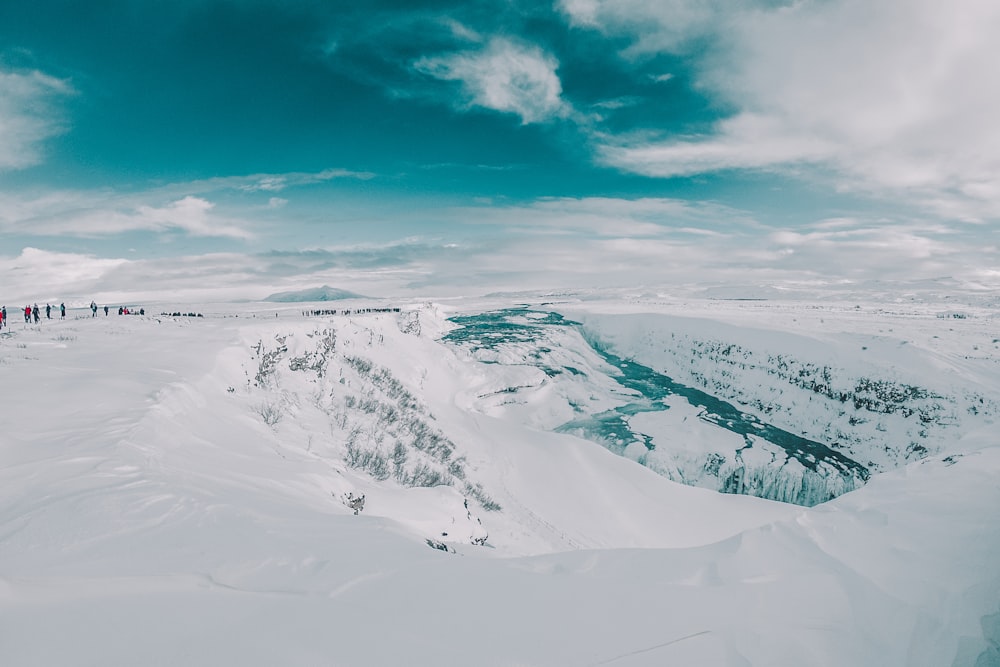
point(149, 515)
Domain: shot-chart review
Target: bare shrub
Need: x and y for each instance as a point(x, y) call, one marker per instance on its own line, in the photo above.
point(477, 492)
point(270, 412)
point(371, 461)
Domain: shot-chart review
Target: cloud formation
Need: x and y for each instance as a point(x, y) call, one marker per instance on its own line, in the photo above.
point(279, 182)
point(665, 25)
point(94, 214)
point(37, 275)
point(610, 217)
point(504, 76)
point(891, 97)
point(553, 243)
point(189, 207)
point(28, 115)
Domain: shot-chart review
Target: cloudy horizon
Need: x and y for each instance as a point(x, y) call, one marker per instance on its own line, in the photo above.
point(233, 150)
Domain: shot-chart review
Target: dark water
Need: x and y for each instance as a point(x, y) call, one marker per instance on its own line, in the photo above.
point(487, 330)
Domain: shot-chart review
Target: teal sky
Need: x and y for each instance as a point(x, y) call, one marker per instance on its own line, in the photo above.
point(238, 148)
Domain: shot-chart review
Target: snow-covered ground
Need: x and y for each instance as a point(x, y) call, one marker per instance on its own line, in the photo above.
point(188, 490)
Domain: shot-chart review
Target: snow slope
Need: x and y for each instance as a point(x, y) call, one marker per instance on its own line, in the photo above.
point(176, 491)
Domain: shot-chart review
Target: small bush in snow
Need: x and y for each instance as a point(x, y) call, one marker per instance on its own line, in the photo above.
point(267, 361)
point(270, 412)
point(440, 546)
point(371, 461)
point(316, 360)
point(477, 492)
point(399, 461)
point(383, 379)
point(424, 475)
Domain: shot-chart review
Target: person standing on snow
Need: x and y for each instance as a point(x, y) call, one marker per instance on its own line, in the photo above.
point(93, 309)
point(34, 311)
point(105, 311)
point(48, 312)
point(62, 310)
point(27, 314)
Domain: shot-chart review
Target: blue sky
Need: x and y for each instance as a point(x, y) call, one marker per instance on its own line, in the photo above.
point(233, 149)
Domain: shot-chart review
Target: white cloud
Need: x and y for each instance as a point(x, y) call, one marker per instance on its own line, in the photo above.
point(882, 252)
point(746, 141)
point(664, 25)
point(278, 182)
point(617, 103)
point(503, 76)
point(190, 214)
point(28, 115)
point(548, 243)
point(895, 98)
point(610, 217)
point(37, 275)
point(649, 241)
point(93, 214)
point(175, 207)
point(461, 31)
point(266, 183)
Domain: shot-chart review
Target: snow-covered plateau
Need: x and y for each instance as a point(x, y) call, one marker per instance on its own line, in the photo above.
point(572, 479)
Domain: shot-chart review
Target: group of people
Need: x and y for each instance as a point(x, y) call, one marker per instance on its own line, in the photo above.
point(32, 312)
point(355, 311)
point(122, 310)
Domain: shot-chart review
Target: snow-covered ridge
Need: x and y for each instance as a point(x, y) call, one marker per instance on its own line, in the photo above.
point(377, 399)
point(387, 431)
point(352, 413)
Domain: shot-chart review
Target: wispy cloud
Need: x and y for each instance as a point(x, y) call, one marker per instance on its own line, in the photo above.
point(94, 214)
point(884, 251)
point(29, 114)
point(462, 31)
point(609, 241)
point(504, 76)
point(647, 217)
point(189, 208)
point(279, 182)
point(746, 141)
point(667, 25)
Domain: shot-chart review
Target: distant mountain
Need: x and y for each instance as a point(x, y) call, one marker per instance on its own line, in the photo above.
point(324, 293)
